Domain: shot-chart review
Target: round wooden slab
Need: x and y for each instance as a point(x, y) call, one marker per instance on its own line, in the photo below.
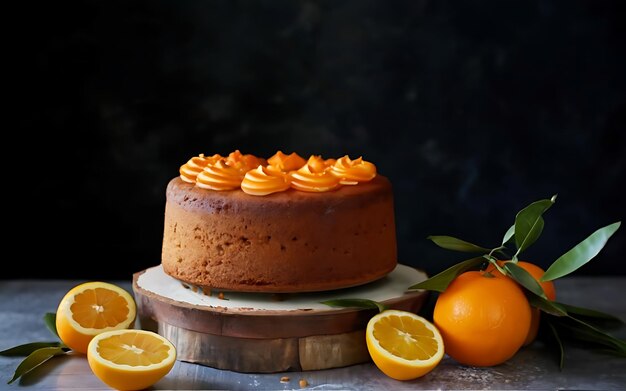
point(256, 332)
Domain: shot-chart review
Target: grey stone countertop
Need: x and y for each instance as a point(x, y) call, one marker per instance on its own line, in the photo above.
point(23, 303)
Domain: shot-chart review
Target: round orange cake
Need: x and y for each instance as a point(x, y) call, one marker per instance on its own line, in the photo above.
point(288, 241)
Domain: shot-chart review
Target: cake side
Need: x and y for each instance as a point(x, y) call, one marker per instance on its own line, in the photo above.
point(290, 241)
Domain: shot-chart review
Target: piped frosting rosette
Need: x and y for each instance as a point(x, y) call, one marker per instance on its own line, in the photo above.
point(219, 176)
point(259, 177)
point(286, 163)
point(194, 166)
point(262, 181)
point(244, 163)
point(351, 172)
point(315, 176)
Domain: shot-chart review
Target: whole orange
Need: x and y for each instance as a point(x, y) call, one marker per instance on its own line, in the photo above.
point(483, 319)
point(548, 289)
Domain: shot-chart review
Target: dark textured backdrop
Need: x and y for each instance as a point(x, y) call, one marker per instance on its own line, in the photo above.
point(473, 109)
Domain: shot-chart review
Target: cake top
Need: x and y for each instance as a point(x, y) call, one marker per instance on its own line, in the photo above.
point(258, 176)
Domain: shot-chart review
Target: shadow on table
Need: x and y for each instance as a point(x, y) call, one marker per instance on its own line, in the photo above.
point(46, 371)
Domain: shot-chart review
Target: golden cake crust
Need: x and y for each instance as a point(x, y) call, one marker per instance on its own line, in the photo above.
point(290, 241)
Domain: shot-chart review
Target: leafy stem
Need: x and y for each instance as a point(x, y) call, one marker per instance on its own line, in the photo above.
point(36, 353)
point(497, 249)
point(563, 320)
point(494, 262)
point(440, 282)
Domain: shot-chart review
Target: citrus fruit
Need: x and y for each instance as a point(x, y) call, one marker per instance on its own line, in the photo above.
point(130, 359)
point(90, 309)
point(548, 289)
point(536, 272)
point(483, 319)
point(403, 345)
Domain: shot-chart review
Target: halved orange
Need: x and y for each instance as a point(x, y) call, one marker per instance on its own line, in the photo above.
point(90, 309)
point(403, 345)
point(130, 359)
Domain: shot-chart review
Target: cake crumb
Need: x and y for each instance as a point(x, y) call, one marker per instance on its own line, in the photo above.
point(303, 383)
point(194, 288)
point(220, 295)
point(206, 291)
point(284, 379)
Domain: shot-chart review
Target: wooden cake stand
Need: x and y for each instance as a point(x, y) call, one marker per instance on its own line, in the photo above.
point(257, 332)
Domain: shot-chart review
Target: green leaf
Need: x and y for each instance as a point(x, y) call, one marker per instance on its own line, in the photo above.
point(454, 244)
point(524, 278)
point(589, 313)
point(358, 303)
point(580, 331)
point(529, 223)
point(51, 322)
point(508, 235)
point(555, 334)
point(35, 359)
point(547, 306)
point(582, 253)
point(441, 281)
point(26, 349)
point(532, 237)
point(583, 331)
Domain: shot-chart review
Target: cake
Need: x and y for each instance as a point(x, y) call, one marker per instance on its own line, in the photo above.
point(285, 224)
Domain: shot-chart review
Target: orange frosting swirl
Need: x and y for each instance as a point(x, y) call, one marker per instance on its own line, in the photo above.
point(219, 176)
point(285, 163)
point(262, 181)
point(317, 164)
point(351, 172)
point(243, 163)
point(314, 176)
point(330, 162)
point(194, 166)
point(257, 176)
point(272, 170)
